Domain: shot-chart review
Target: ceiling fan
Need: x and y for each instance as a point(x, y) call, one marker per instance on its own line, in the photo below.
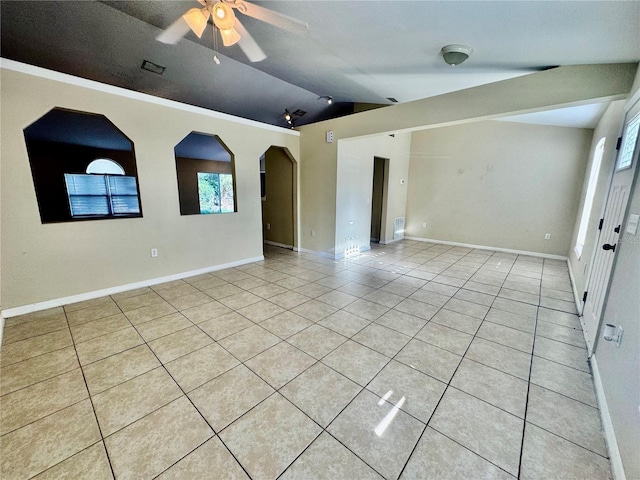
point(231, 29)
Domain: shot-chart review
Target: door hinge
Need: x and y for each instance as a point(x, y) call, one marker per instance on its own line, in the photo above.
point(619, 143)
point(584, 297)
point(617, 229)
point(600, 224)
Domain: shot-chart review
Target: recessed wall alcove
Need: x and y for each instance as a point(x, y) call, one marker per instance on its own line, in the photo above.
point(83, 168)
point(206, 175)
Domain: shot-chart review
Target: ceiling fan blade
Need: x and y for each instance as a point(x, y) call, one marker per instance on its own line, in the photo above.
point(274, 18)
point(175, 32)
point(248, 44)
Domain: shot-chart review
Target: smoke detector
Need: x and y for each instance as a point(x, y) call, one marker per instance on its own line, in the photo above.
point(456, 54)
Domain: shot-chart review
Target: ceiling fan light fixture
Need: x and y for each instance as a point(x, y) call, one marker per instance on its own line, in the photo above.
point(197, 19)
point(456, 54)
point(229, 37)
point(223, 16)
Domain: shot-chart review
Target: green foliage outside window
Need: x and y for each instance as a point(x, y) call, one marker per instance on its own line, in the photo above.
point(215, 193)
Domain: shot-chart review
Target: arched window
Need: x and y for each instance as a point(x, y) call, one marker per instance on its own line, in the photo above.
point(588, 199)
point(105, 166)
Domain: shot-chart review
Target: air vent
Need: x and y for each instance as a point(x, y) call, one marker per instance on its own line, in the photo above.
point(153, 67)
point(391, 99)
point(298, 113)
point(398, 228)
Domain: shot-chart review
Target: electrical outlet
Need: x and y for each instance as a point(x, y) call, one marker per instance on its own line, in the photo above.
point(547, 236)
point(154, 252)
point(268, 226)
point(424, 225)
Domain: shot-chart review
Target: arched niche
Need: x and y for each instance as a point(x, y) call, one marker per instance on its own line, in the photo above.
point(73, 158)
point(206, 175)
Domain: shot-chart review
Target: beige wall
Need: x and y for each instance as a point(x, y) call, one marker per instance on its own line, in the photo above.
point(48, 262)
point(497, 184)
point(609, 127)
point(317, 191)
point(355, 186)
point(277, 208)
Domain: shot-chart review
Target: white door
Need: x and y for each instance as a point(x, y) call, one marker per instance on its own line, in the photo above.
point(616, 207)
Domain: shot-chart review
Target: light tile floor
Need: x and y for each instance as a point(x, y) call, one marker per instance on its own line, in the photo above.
point(413, 360)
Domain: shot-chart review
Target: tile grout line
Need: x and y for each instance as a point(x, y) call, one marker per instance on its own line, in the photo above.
point(526, 406)
point(448, 384)
point(362, 389)
point(215, 434)
point(93, 408)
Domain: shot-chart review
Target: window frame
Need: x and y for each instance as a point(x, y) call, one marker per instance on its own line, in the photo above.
point(220, 197)
point(628, 147)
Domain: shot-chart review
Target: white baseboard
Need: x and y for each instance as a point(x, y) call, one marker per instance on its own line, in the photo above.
point(1, 326)
point(485, 247)
point(617, 467)
point(388, 242)
point(281, 245)
point(35, 307)
point(315, 252)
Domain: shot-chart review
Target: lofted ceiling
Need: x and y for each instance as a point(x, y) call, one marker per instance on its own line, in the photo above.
point(358, 52)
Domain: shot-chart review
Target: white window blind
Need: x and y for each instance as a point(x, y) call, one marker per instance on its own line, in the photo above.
point(102, 195)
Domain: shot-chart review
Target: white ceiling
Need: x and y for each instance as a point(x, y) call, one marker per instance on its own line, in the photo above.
point(583, 116)
point(356, 51)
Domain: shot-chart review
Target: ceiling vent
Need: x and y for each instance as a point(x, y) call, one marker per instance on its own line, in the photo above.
point(391, 99)
point(298, 113)
point(152, 67)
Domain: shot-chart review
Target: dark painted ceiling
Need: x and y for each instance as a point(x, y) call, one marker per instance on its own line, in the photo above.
point(356, 51)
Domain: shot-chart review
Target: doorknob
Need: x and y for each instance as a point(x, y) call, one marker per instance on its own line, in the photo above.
point(606, 246)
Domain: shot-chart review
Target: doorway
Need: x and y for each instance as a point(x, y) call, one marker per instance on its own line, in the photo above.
point(612, 224)
point(377, 198)
point(277, 178)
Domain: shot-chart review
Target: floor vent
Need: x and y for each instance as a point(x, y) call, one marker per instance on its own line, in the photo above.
point(398, 228)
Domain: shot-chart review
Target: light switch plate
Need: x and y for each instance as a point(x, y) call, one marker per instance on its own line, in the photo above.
point(632, 224)
point(330, 136)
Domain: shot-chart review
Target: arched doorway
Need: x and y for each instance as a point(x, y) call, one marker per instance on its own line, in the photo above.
point(278, 181)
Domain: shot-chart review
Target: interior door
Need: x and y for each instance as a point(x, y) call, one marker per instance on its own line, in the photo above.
point(616, 207)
